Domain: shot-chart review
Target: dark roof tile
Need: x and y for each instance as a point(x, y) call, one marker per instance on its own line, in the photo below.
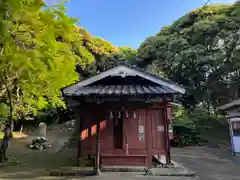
point(123, 90)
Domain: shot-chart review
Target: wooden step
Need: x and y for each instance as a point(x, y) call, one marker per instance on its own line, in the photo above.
point(123, 168)
point(124, 155)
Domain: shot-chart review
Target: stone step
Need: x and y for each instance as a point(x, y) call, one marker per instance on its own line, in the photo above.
point(73, 171)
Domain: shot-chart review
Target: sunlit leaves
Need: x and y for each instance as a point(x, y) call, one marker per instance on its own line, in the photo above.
point(35, 63)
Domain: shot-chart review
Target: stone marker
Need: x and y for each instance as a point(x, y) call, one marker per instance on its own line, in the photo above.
point(42, 130)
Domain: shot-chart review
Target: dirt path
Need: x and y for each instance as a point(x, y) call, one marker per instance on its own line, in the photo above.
point(209, 163)
point(35, 163)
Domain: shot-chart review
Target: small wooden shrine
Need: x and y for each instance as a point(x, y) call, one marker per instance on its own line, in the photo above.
point(123, 116)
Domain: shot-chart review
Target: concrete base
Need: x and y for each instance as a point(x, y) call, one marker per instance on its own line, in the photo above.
point(73, 171)
point(123, 169)
point(174, 170)
point(97, 172)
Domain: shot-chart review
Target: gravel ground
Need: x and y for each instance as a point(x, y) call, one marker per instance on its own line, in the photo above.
point(209, 163)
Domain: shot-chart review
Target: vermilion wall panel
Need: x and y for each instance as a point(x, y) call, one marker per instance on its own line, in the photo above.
point(137, 149)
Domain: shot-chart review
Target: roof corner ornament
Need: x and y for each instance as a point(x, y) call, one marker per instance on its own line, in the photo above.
point(124, 73)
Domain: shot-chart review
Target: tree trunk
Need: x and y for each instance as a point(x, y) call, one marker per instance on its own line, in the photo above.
point(3, 151)
point(10, 103)
point(208, 107)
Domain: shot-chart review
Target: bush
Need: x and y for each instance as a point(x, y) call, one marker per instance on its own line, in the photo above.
point(191, 128)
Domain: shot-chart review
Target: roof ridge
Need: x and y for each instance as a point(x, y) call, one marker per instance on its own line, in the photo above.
point(145, 71)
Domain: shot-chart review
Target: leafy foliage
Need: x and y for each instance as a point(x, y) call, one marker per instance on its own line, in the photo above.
point(199, 51)
point(197, 126)
point(94, 49)
point(33, 60)
point(123, 55)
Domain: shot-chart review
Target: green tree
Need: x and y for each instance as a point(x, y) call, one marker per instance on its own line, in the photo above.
point(96, 49)
point(40, 48)
point(198, 51)
point(128, 54)
point(39, 51)
point(124, 55)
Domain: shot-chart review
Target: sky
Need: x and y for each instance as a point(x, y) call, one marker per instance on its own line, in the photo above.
point(129, 22)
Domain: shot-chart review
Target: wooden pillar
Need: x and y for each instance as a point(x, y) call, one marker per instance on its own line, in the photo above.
point(79, 131)
point(148, 120)
point(97, 163)
point(168, 154)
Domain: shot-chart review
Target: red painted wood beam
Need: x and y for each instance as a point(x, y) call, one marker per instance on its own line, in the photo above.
point(167, 143)
point(97, 164)
point(149, 138)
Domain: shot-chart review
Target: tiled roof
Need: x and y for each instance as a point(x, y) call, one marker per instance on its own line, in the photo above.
point(122, 90)
point(124, 71)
